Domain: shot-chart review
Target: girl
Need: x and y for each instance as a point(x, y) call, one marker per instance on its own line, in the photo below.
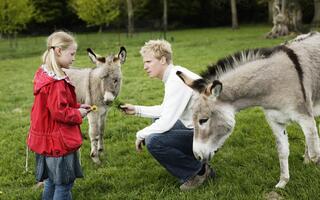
point(54, 133)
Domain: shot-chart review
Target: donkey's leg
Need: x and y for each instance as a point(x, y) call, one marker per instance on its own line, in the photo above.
point(282, 147)
point(306, 158)
point(310, 131)
point(94, 136)
point(102, 119)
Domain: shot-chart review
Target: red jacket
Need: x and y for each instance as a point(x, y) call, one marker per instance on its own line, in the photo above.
point(55, 118)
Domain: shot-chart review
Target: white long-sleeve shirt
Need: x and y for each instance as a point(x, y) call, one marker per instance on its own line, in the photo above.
point(176, 105)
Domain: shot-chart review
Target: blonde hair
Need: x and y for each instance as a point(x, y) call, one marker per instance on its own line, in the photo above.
point(61, 40)
point(159, 49)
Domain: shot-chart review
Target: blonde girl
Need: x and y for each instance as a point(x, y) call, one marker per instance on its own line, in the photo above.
point(54, 133)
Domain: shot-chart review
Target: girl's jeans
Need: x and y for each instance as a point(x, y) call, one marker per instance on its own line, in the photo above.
point(173, 150)
point(56, 192)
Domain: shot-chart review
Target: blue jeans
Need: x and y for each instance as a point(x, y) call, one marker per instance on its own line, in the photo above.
point(56, 192)
point(173, 150)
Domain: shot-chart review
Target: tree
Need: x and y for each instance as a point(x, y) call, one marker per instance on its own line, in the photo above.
point(97, 12)
point(270, 11)
point(234, 14)
point(52, 15)
point(14, 15)
point(280, 21)
point(294, 13)
point(287, 19)
point(130, 18)
point(47, 10)
point(165, 18)
point(316, 16)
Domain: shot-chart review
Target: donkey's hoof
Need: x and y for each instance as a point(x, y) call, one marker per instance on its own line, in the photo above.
point(96, 160)
point(281, 184)
point(101, 152)
point(306, 160)
point(318, 162)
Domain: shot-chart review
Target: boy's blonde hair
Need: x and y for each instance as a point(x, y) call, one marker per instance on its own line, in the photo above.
point(61, 40)
point(158, 48)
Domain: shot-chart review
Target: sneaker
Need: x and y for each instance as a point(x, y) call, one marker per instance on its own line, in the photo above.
point(198, 180)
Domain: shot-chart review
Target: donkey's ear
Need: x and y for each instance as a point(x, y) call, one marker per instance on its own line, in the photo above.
point(92, 55)
point(214, 88)
point(198, 85)
point(187, 80)
point(122, 55)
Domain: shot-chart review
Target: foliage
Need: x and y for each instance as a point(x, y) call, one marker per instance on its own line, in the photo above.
point(117, 103)
point(47, 10)
point(14, 15)
point(247, 165)
point(97, 12)
point(307, 7)
point(75, 14)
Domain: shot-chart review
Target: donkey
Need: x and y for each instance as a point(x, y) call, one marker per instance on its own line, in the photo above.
point(283, 80)
point(98, 86)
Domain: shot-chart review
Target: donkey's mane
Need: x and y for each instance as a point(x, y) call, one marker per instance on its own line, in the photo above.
point(214, 71)
point(301, 37)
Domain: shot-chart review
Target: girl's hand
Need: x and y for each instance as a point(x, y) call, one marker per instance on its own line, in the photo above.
point(128, 109)
point(84, 112)
point(85, 106)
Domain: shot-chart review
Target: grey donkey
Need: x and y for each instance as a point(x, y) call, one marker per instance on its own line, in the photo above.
point(284, 81)
point(98, 86)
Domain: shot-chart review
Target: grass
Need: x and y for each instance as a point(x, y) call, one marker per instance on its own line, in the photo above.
point(247, 165)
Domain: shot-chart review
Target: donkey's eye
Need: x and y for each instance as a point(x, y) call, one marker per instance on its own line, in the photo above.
point(202, 121)
point(115, 81)
point(104, 76)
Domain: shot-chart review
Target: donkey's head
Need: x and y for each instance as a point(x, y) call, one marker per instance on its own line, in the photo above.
point(213, 119)
point(108, 72)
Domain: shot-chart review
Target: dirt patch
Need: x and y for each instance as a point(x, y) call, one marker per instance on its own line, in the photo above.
point(273, 196)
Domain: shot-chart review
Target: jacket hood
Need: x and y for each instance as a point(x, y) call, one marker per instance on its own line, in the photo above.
point(41, 79)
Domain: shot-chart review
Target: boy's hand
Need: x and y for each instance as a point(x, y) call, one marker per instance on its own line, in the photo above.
point(128, 109)
point(139, 144)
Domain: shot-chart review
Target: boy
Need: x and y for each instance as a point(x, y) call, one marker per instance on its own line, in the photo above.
point(169, 138)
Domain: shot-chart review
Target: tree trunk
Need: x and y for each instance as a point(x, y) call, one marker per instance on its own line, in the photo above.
point(130, 18)
point(234, 14)
point(294, 16)
point(270, 11)
point(280, 20)
point(165, 19)
point(13, 42)
point(316, 17)
point(283, 6)
point(298, 17)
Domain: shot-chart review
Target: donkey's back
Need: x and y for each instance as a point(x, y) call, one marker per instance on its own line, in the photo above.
point(307, 49)
point(80, 77)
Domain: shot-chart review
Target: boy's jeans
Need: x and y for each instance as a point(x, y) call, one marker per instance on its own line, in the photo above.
point(173, 150)
point(56, 192)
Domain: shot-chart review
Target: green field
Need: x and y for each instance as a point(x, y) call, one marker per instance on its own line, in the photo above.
point(247, 165)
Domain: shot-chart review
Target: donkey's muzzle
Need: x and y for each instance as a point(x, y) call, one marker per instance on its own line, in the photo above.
point(108, 98)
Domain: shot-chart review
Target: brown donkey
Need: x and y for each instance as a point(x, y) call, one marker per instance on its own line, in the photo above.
point(98, 86)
